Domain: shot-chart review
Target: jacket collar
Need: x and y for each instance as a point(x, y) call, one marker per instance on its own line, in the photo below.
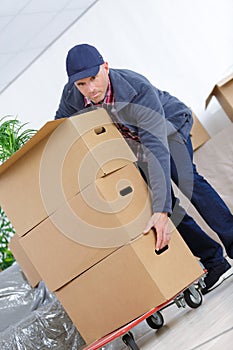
point(123, 90)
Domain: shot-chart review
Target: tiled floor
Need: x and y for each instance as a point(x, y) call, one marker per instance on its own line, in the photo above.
point(209, 327)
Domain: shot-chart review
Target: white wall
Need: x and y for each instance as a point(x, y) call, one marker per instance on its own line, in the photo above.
point(182, 46)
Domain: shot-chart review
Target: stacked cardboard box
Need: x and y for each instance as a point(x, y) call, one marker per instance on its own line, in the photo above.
point(63, 158)
point(199, 134)
point(79, 205)
point(223, 91)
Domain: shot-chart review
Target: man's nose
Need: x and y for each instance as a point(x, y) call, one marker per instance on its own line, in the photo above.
point(90, 86)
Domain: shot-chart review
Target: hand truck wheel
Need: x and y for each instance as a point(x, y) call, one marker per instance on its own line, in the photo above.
point(128, 339)
point(193, 297)
point(156, 320)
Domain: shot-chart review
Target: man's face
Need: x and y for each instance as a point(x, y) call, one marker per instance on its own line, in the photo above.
point(95, 87)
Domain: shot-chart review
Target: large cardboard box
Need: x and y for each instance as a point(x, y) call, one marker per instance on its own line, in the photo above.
point(127, 283)
point(199, 134)
point(223, 91)
point(63, 157)
point(104, 216)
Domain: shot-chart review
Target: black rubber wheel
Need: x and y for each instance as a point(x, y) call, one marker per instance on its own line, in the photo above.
point(131, 334)
point(129, 341)
point(193, 300)
point(156, 320)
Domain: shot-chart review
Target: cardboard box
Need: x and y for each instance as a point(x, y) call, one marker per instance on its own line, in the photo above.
point(127, 283)
point(63, 157)
point(218, 170)
point(199, 134)
point(223, 91)
point(89, 227)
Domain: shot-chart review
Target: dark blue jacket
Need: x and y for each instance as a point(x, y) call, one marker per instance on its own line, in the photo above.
point(155, 115)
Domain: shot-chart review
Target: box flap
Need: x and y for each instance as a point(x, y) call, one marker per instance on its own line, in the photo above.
point(64, 157)
point(85, 122)
point(216, 86)
point(210, 96)
point(47, 129)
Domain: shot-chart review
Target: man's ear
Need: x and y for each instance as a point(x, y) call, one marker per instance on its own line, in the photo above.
point(106, 67)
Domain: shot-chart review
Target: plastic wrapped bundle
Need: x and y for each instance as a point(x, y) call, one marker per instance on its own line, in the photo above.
point(33, 318)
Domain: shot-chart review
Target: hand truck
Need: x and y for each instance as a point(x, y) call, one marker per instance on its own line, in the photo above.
point(190, 296)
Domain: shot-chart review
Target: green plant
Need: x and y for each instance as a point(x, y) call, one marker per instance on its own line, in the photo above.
point(6, 232)
point(12, 137)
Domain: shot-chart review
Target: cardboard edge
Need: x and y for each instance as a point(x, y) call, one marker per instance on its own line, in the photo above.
point(24, 262)
point(207, 101)
point(47, 129)
point(216, 86)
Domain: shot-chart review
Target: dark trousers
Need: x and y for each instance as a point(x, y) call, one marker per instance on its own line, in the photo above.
point(207, 202)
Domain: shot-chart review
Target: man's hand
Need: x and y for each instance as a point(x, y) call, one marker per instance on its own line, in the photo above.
point(159, 221)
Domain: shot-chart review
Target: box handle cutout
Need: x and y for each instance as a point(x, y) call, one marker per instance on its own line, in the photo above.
point(99, 130)
point(160, 251)
point(127, 190)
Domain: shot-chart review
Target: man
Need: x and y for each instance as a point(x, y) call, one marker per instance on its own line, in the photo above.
point(157, 126)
